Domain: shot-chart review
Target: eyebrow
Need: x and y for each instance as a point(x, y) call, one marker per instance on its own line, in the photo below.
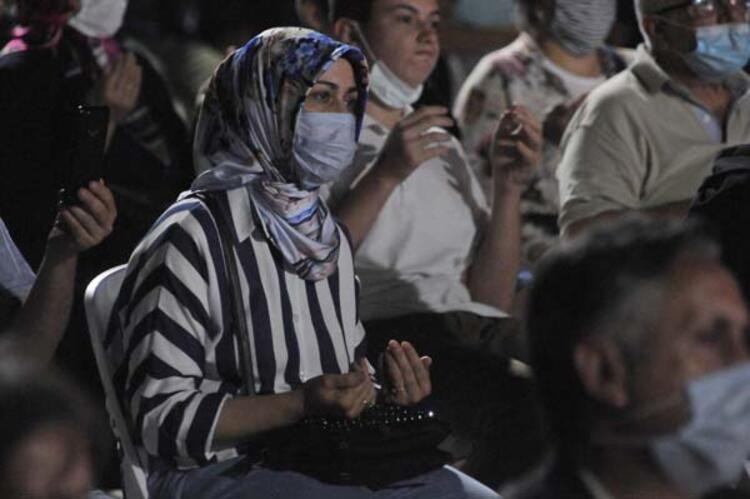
point(334, 86)
point(414, 10)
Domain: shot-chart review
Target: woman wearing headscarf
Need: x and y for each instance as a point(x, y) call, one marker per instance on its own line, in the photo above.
point(559, 57)
point(281, 117)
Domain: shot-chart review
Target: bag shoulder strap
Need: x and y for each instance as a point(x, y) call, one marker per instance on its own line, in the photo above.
point(239, 321)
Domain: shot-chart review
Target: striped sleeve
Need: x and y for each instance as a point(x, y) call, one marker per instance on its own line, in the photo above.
point(166, 327)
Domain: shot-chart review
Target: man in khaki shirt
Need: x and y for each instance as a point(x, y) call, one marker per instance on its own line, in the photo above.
point(646, 139)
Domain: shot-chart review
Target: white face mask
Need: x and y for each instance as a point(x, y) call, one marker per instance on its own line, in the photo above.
point(708, 452)
point(99, 18)
point(388, 88)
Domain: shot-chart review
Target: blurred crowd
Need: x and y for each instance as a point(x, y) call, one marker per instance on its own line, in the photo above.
point(314, 210)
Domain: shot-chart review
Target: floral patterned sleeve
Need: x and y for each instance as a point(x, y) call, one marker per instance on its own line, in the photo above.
point(481, 101)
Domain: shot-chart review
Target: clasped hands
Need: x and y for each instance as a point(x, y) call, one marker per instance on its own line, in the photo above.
point(407, 377)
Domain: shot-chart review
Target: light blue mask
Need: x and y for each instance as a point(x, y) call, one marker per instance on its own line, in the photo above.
point(324, 145)
point(720, 51)
point(709, 452)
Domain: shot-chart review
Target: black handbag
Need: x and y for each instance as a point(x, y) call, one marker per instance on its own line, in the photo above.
point(384, 445)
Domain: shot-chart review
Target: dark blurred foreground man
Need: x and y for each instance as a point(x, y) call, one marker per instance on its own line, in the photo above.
point(643, 370)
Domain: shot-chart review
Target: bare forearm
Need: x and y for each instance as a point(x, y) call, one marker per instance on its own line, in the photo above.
point(244, 417)
point(362, 205)
point(492, 277)
point(38, 326)
point(676, 210)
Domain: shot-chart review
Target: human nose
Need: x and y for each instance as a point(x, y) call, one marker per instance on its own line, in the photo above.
point(428, 32)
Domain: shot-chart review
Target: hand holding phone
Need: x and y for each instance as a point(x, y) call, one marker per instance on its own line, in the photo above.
point(517, 146)
point(86, 154)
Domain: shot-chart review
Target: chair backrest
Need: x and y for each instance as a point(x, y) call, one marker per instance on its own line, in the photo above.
point(100, 297)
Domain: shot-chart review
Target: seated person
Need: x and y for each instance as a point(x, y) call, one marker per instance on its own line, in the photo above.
point(316, 14)
point(48, 437)
point(643, 370)
point(558, 58)
point(438, 262)
point(646, 139)
point(64, 54)
point(34, 329)
point(280, 118)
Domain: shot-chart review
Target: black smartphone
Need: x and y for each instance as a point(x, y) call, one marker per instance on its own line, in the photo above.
point(86, 153)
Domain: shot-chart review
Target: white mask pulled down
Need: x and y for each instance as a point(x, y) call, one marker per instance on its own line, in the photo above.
point(390, 89)
point(385, 85)
point(99, 18)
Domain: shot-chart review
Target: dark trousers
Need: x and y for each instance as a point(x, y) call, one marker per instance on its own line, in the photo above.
point(473, 388)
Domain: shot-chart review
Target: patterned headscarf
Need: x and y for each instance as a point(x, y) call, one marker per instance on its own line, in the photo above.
point(246, 130)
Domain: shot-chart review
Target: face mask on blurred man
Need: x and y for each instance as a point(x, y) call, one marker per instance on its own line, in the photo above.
point(720, 50)
point(708, 451)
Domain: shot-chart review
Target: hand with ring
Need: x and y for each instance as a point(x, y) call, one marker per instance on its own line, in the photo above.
point(407, 374)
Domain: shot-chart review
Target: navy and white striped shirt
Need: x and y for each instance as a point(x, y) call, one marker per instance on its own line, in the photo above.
point(176, 363)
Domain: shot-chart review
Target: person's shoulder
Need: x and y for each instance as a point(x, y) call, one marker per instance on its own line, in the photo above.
point(621, 96)
point(32, 78)
point(182, 214)
point(34, 65)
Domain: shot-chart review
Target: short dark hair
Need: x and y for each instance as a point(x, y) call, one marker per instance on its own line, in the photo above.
point(358, 10)
point(31, 399)
point(595, 286)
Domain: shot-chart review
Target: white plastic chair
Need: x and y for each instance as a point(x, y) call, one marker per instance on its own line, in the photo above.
point(99, 300)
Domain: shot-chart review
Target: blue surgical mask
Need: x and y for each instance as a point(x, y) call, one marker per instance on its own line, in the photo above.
point(709, 451)
point(721, 50)
point(324, 145)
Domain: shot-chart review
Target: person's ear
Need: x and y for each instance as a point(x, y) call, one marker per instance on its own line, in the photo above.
point(345, 31)
point(602, 371)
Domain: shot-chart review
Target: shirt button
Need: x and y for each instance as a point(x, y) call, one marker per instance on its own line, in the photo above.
point(295, 317)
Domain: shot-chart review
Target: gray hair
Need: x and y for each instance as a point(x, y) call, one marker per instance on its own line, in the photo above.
point(611, 284)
